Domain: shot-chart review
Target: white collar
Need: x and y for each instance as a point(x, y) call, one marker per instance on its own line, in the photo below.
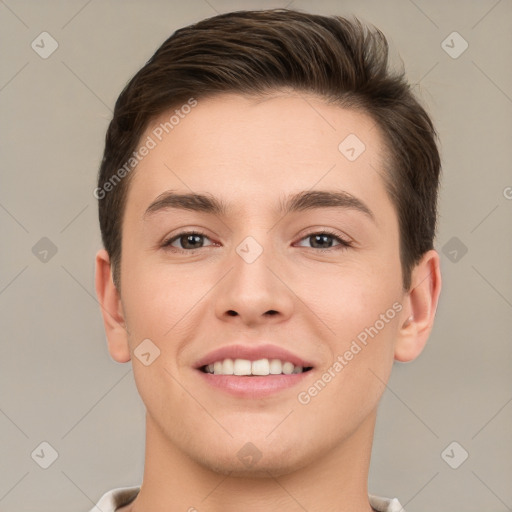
point(121, 496)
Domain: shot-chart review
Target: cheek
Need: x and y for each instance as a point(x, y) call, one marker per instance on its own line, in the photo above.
point(163, 397)
point(366, 330)
point(352, 383)
point(158, 296)
point(347, 298)
point(360, 312)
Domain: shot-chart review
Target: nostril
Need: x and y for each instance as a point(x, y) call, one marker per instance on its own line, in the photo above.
point(232, 313)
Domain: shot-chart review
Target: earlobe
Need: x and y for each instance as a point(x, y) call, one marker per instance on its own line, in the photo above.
point(111, 309)
point(420, 307)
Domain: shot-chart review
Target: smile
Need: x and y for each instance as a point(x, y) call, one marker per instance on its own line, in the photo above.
point(271, 369)
point(260, 367)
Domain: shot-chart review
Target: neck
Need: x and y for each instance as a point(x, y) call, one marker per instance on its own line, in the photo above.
point(334, 481)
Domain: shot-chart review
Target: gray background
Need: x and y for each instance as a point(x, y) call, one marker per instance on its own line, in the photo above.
point(58, 383)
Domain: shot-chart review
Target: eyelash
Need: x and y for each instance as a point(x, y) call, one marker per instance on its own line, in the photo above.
point(343, 244)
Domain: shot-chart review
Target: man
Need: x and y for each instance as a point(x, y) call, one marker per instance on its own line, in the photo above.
point(267, 203)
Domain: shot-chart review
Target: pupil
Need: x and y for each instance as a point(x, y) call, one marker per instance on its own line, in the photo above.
point(190, 239)
point(322, 239)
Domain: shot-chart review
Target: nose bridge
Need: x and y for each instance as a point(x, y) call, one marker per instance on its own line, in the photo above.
point(251, 289)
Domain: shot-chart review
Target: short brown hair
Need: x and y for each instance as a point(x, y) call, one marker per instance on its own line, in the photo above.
point(258, 52)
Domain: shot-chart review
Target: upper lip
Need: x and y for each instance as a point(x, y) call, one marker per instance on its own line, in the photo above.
point(252, 353)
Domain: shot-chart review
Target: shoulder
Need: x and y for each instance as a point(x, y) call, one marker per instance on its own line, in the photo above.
point(115, 499)
point(380, 504)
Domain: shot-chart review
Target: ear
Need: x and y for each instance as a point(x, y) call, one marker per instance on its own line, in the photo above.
point(111, 309)
point(420, 305)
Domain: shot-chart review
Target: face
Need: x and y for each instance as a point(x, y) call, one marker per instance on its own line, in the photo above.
point(300, 265)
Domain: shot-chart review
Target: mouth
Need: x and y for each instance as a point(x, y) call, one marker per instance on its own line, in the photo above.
point(252, 371)
point(252, 368)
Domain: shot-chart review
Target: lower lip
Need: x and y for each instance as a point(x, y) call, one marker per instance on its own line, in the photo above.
point(253, 386)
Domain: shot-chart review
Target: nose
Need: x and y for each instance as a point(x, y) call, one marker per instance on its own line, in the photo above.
point(254, 292)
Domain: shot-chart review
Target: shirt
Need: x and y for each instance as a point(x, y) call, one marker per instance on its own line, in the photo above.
point(117, 498)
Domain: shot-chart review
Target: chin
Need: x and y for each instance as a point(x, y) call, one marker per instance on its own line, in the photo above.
point(264, 468)
point(258, 459)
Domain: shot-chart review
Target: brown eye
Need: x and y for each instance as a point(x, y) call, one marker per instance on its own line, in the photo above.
point(187, 241)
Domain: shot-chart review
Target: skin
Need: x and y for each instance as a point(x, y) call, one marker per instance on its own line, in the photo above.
point(250, 153)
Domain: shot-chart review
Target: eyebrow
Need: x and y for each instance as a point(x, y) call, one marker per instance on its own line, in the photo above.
point(306, 200)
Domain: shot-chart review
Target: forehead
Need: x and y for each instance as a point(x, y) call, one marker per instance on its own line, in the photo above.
point(251, 151)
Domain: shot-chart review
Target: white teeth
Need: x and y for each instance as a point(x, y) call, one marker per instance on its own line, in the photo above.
point(246, 367)
point(242, 367)
point(260, 367)
point(276, 367)
point(288, 368)
point(227, 367)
